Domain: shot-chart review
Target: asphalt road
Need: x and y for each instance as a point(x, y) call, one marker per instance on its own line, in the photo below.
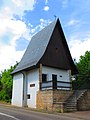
point(15, 113)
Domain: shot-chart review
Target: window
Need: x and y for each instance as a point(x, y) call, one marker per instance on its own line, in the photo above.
point(60, 75)
point(44, 77)
point(28, 96)
point(32, 85)
point(56, 50)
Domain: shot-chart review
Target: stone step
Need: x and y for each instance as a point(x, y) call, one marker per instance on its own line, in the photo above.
point(73, 107)
point(71, 103)
point(70, 109)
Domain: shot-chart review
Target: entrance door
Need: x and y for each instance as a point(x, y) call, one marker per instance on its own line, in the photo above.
point(54, 80)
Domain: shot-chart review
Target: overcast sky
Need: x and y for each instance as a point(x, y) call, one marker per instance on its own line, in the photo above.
point(21, 19)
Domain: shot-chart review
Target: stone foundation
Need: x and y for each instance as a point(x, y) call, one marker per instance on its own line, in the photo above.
point(52, 100)
point(84, 102)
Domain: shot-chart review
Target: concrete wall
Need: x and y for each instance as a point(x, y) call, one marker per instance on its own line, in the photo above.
point(17, 92)
point(32, 87)
point(52, 100)
point(84, 101)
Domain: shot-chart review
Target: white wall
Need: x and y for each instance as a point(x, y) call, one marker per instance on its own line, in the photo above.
point(64, 73)
point(17, 92)
point(32, 78)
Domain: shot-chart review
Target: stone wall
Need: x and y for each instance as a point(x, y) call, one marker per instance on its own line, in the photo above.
point(84, 101)
point(52, 100)
point(44, 100)
point(61, 95)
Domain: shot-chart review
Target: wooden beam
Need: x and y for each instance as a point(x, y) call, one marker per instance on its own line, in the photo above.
point(40, 76)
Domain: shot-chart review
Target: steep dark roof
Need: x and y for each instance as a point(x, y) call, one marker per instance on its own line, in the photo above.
point(38, 46)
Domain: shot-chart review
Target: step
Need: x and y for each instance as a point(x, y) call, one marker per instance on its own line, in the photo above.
point(73, 103)
point(69, 105)
point(73, 107)
point(69, 110)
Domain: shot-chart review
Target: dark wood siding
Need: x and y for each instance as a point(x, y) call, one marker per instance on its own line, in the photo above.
point(55, 55)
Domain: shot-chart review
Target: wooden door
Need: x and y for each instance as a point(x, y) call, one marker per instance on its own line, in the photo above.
point(54, 80)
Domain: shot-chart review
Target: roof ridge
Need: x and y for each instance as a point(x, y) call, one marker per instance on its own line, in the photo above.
point(55, 21)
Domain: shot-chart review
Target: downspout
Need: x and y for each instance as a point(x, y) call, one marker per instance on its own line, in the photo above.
point(40, 76)
point(24, 89)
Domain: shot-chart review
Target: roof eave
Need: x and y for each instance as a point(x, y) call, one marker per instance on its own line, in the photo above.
point(26, 69)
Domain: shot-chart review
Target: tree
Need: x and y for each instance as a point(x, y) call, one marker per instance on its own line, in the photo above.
point(83, 78)
point(0, 83)
point(6, 84)
point(84, 66)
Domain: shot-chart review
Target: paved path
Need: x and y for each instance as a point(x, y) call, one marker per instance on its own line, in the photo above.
point(84, 115)
point(16, 113)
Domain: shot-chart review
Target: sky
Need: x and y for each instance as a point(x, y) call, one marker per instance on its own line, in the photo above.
point(21, 19)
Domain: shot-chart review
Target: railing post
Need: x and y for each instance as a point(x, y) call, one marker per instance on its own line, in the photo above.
point(54, 84)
